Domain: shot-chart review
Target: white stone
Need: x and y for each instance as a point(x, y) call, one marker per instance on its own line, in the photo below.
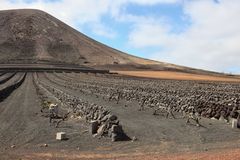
point(213, 118)
point(101, 129)
point(222, 119)
point(234, 123)
point(61, 136)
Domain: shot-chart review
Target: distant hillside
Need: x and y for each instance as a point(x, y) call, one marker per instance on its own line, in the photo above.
point(33, 36)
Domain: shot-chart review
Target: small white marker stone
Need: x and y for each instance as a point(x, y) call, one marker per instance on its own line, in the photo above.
point(61, 136)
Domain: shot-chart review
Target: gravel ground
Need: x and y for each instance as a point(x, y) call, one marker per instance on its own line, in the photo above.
point(24, 131)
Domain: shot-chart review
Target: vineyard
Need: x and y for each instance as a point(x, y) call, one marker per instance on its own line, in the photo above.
point(115, 112)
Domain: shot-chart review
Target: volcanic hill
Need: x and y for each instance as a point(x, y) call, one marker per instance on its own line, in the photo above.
point(29, 36)
point(33, 36)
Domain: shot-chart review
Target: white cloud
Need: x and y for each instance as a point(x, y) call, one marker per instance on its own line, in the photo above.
point(75, 13)
point(210, 42)
point(101, 30)
point(79, 12)
point(149, 33)
point(72, 12)
point(151, 2)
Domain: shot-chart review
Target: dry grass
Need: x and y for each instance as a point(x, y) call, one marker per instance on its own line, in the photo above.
point(177, 76)
point(228, 154)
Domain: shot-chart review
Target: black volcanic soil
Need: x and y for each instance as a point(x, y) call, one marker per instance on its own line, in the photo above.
point(23, 126)
point(35, 37)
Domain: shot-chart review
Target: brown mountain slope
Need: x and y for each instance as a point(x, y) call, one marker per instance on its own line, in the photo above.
point(34, 36)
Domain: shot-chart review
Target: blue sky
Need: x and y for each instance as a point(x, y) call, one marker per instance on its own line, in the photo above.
point(195, 33)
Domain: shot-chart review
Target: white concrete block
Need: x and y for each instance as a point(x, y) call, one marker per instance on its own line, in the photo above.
point(61, 136)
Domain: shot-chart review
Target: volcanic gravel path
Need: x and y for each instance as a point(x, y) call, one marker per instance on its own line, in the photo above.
point(20, 124)
point(23, 126)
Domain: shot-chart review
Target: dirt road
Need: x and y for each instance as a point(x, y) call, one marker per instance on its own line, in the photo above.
point(229, 154)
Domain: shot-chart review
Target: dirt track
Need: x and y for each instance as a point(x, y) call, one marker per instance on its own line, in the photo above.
point(19, 121)
point(23, 126)
point(232, 154)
